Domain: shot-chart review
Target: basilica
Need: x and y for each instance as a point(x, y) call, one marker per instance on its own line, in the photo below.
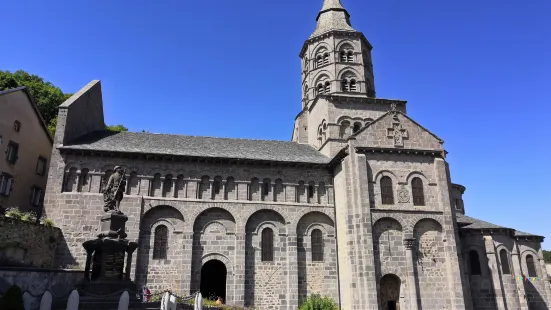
point(359, 205)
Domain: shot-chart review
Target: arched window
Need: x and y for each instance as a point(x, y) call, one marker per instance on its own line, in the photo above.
point(504, 258)
point(167, 187)
point(327, 87)
point(353, 86)
point(357, 127)
point(17, 126)
point(317, 245)
point(217, 185)
point(204, 185)
point(267, 245)
point(306, 92)
point(266, 189)
point(310, 193)
point(344, 85)
point(474, 262)
point(387, 193)
point(160, 244)
point(349, 56)
point(306, 63)
point(319, 61)
point(531, 266)
point(326, 58)
point(343, 129)
point(83, 180)
point(320, 88)
point(253, 189)
point(417, 191)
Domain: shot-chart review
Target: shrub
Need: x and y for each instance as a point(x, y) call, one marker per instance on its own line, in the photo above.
point(316, 302)
point(47, 222)
point(12, 300)
point(14, 213)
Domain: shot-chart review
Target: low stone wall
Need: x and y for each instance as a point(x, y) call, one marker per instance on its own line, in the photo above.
point(27, 244)
point(36, 281)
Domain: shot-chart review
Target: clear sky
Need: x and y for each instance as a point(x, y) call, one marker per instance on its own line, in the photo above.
point(476, 73)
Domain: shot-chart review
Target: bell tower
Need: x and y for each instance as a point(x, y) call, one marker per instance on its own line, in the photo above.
point(338, 85)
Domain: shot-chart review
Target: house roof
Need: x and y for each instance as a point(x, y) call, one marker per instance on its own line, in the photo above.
point(198, 146)
point(467, 222)
point(33, 105)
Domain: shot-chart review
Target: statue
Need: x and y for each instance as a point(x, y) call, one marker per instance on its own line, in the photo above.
point(113, 193)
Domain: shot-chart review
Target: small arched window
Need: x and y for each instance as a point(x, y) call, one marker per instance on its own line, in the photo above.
point(353, 86)
point(317, 245)
point(504, 258)
point(83, 180)
point(326, 58)
point(474, 263)
point(310, 192)
point(531, 266)
point(306, 64)
point(349, 56)
point(160, 244)
point(417, 191)
point(344, 85)
point(266, 189)
point(217, 185)
point(343, 129)
point(267, 245)
point(327, 87)
point(387, 193)
point(357, 127)
point(319, 61)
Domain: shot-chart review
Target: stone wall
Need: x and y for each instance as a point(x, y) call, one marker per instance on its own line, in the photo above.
point(36, 281)
point(27, 244)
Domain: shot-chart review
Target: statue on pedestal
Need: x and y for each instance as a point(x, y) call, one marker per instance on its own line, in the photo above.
point(114, 191)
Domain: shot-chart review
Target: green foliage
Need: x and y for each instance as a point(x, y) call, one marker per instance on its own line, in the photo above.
point(14, 213)
point(47, 222)
point(117, 128)
point(52, 125)
point(12, 300)
point(316, 302)
point(47, 96)
point(547, 256)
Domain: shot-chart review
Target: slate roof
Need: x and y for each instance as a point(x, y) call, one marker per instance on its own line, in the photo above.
point(467, 222)
point(197, 146)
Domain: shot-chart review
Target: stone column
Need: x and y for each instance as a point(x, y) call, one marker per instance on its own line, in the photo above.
point(292, 272)
point(517, 272)
point(174, 183)
point(494, 271)
point(412, 288)
point(162, 187)
point(239, 268)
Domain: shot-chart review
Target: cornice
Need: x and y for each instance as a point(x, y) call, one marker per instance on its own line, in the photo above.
point(378, 150)
point(325, 35)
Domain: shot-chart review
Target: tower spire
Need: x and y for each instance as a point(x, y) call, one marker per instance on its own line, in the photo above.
point(333, 16)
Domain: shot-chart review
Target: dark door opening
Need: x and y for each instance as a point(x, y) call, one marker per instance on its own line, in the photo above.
point(213, 280)
point(392, 305)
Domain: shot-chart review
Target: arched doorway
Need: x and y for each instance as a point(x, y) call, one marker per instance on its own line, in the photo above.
point(213, 279)
point(390, 292)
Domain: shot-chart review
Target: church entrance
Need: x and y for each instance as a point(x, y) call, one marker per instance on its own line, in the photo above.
point(213, 280)
point(390, 292)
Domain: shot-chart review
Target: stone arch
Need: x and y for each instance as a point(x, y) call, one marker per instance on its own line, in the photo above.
point(388, 244)
point(418, 174)
point(377, 177)
point(174, 220)
point(315, 219)
point(350, 71)
point(323, 76)
point(524, 263)
point(390, 286)
point(213, 234)
point(221, 257)
point(342, 45)
point(254, 226)
point(319, 48)
point(482, 260)
point(414, 220)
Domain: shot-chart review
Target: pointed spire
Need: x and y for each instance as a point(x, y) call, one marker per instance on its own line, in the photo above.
point(333, 16)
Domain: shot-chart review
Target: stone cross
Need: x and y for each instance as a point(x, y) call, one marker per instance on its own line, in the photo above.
point(124, 300)
point(72, 303)
point(46, 301)
point(398, 134)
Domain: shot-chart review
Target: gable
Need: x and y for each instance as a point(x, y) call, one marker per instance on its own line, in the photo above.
point(396, 130)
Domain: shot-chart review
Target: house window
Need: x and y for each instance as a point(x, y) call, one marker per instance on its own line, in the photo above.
point(317, 245)
point(41, 166)
point(11, 152)
point(386, 191)
point(417, 191)
point(504, 258)
point(6, 181)
point(17, 126)
point(267, 245)
point(160, 244)
point(474, 262)
point(531, 266)
point(36, 196)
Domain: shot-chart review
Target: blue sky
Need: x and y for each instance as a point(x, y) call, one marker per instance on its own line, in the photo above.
point(474, 72)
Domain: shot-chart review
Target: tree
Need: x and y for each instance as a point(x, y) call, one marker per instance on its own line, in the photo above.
point(116, 128)
point(47, 96)
point(547, 256)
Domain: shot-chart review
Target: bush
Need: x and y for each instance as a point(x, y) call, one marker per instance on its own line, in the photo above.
point(316, 302)
point(12, 300)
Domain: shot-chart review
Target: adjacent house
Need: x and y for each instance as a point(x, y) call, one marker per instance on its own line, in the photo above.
point(26, 146)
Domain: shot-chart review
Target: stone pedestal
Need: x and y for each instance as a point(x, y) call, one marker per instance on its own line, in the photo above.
point(105, 274)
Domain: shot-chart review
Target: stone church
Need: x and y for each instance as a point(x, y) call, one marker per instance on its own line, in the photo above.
point(359, 205)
